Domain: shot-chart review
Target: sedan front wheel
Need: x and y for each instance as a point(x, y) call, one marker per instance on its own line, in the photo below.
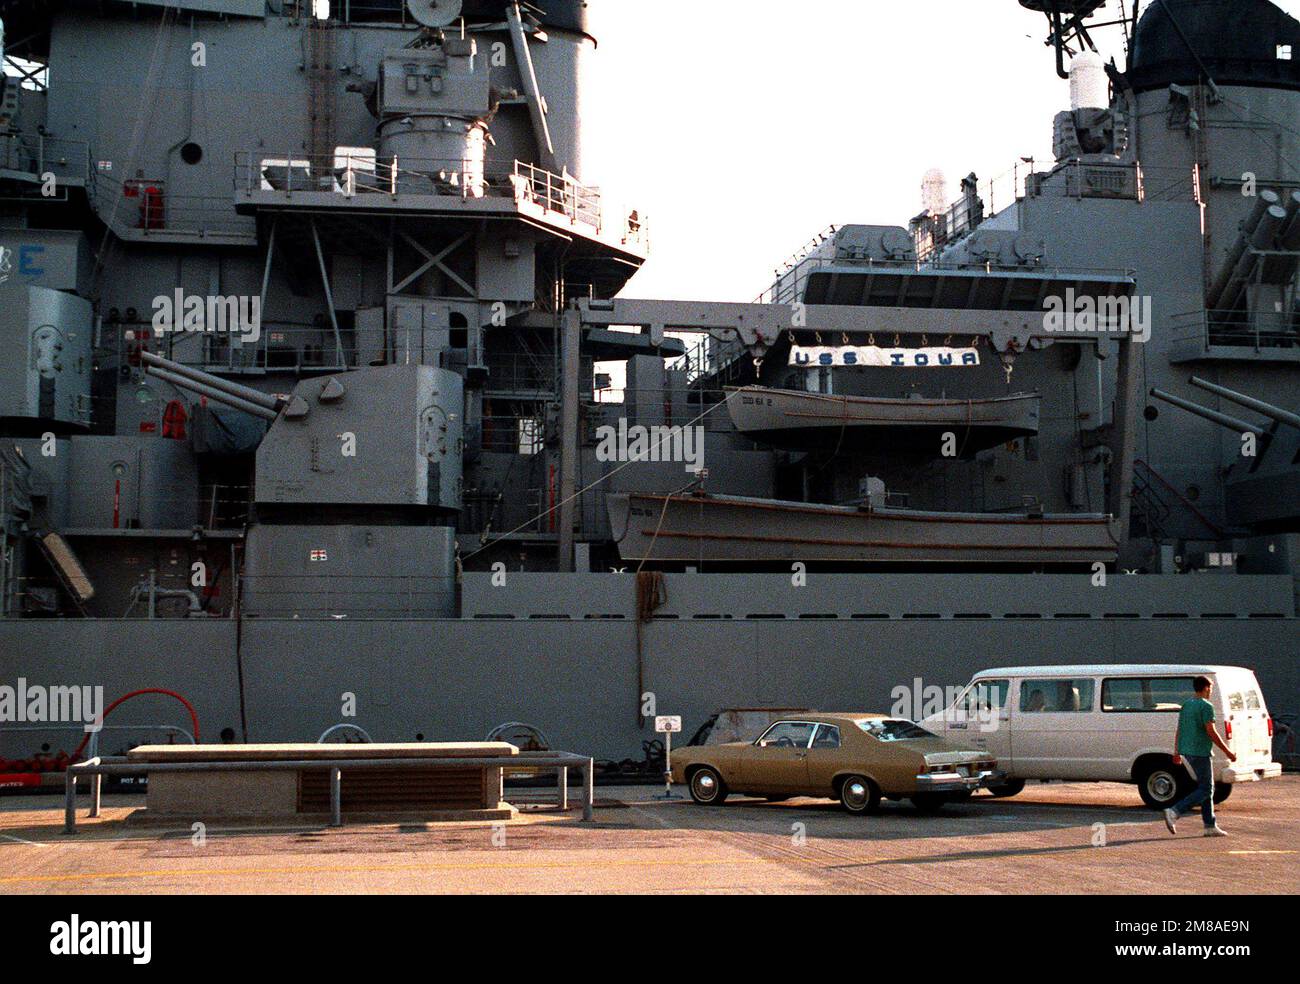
point(707, 787)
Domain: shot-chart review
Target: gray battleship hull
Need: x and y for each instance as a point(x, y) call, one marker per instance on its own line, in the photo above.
point(798, 420)
point(728, 529)
point(561, 653)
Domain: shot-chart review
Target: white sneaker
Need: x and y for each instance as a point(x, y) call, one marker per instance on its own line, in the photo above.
point(1171, 818)
point(1215, 832)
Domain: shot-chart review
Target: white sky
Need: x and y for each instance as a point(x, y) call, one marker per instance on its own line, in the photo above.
point(742, 128)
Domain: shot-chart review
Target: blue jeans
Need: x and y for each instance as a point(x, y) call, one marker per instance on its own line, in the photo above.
point(1203, 794)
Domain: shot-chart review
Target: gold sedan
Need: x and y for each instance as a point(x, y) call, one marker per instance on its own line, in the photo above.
point(857, 759)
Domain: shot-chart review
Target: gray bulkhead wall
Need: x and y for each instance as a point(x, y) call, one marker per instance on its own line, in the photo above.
point(251, 96)
point(107, 71)
point(1252, 131)
point(455, 680)
point(1123, 235)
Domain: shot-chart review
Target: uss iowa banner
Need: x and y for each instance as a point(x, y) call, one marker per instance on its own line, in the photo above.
point(835, 357)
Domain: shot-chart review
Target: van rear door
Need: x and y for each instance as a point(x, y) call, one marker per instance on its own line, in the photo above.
point(1244, 709)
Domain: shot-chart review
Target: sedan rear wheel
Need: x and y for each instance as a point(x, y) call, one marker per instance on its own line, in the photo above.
point(930, 802)
point(1012, 787)
point(707, 787)
point(859, 795)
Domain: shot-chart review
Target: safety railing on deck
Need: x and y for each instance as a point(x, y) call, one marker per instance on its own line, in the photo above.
point(1201, 330)
point(141, 208)
point(277, 347)
point(39, 156)
point(361, 175)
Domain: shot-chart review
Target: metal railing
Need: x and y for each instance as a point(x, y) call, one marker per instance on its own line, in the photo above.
point(279, 347)
point(792, 286)
point(92, 752)
point(362, 175)
point(67, 160)
point(562, 762)
point(522, 374)
point(140, 208)
point(1235, 331)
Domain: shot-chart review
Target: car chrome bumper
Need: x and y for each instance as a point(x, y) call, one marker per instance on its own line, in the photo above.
point(951, 782)
point(1271, 771)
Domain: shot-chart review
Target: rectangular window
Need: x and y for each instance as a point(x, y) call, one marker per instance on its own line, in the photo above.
point(1161, 695)
point(532, 436)
point(828, 736)
point(1253, 703)
point(1056, 696)
point(1236, 702)
point(985, 696)
point(1283, 52)
point(788, 734)
point(886, 730)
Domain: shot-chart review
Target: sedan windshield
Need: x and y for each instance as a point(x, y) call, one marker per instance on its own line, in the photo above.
point(886, 729)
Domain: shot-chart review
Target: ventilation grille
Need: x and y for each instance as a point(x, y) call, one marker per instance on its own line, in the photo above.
point(397, 790)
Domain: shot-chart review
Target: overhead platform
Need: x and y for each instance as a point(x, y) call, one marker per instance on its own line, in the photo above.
point(605, 345)
point(970, 289)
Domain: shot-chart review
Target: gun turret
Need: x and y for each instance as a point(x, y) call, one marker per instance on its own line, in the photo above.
point(1250, 403)
point(1214, 416)
point(215, 388)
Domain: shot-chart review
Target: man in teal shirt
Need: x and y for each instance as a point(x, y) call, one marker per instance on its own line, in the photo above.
point(1195, 742)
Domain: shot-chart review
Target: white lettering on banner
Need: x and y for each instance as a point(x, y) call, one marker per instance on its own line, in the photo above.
point(842, 356)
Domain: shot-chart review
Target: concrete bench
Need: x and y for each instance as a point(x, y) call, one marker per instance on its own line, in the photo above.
point(432, 782)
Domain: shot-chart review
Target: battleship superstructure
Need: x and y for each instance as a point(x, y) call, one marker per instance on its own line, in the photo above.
point(306, 393)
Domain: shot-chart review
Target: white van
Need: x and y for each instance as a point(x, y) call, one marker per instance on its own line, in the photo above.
point(1109, 724)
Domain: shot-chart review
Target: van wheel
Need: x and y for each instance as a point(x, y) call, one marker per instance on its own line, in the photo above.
point(1013, 787)
point(859, 795)
point(1222, 790)
point(1163, 785)
point(707, 787)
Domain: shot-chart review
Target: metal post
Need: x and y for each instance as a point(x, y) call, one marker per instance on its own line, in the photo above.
point(69, 802)
point(1124, 433)
point(563, 774)
point(336, 797)
point(266, 269)
point(588, 790)
point(570, 348)
point(329, 295)
point(96, 793)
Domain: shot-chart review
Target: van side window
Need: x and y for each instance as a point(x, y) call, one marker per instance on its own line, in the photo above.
point(985, 696)
point(1164, 695)
point(1056, 696)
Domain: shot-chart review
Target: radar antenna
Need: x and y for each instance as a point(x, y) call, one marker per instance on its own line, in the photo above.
point(1069, 32)
point(434, 13)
